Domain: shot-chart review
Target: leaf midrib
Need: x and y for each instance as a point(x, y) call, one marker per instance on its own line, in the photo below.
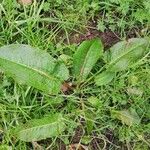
point(85, 62)
point(48, 124)
point(33, 69)
point(126, 115)
point(124, 54)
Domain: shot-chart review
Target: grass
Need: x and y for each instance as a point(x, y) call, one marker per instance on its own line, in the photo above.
point(50, 26)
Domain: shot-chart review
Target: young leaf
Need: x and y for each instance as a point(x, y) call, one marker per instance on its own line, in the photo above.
point(126, 53)
point(94, 101)
point(104, 78)
point(39, 129)
point(85, 58)
point(32, 67)
point(61, 71)
point(128, 117)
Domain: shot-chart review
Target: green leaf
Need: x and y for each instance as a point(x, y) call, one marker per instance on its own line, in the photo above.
point(128, 117)
point(126, 53)
point(134, 91)
point(39, 129)
point(89, 118)
point(94, 101)
point(32, 67)
point(66, 59)
point(85, 58)
point(104, 78)
point(57, 101)
point(61, 71)
point(86, 140)
point(5, 147)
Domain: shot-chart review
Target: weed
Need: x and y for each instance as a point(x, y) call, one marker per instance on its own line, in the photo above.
point(93, 113)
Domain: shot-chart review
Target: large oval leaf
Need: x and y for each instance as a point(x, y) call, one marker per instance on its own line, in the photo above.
point(85, 58)
point(32, 67)
point(39, 129)
point(126, 53)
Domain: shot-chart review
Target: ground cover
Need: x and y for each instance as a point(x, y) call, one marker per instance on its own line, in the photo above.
point(111, 116)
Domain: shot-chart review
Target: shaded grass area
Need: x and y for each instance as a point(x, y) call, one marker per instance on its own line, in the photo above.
point(58, 28)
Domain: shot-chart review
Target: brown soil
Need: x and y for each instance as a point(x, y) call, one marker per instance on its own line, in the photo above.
point(108, 38)
point(61, 145)
point(110, 136)
point(77, 136)
point(97, 144)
